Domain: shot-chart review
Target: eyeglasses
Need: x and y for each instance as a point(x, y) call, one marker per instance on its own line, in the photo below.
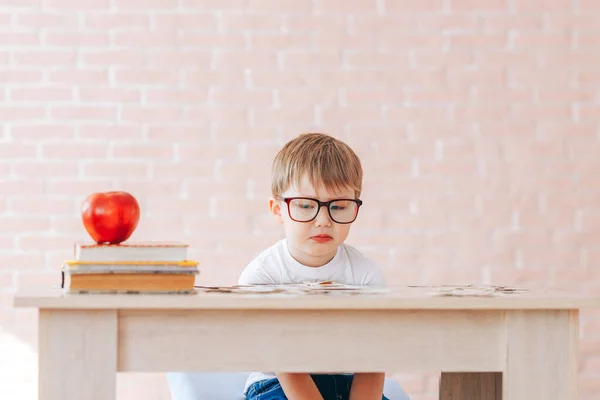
point(306, 209)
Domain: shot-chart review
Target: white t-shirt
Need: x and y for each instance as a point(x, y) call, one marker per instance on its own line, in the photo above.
point(276, 266)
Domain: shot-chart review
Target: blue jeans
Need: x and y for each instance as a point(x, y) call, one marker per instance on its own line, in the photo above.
point(331, 387)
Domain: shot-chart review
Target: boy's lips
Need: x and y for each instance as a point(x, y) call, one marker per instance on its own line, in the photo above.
point(321, 238)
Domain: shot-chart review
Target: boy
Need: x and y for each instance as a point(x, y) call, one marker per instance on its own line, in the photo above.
point(316, 184)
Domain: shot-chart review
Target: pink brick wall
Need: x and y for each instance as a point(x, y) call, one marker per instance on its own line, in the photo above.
point(478, 123)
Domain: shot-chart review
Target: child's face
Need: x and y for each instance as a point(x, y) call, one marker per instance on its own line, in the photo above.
point(312, 243)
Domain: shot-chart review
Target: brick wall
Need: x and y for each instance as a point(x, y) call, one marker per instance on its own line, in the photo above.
point(477, 122)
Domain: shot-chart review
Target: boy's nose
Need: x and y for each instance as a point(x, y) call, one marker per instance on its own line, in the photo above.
point(323, 217)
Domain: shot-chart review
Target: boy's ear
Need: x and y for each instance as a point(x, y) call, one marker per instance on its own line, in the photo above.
point(275, 208)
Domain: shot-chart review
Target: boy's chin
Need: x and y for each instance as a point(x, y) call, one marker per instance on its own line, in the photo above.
point(322, 247)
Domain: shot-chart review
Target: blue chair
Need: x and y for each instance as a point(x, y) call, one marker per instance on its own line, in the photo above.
point(229, 386)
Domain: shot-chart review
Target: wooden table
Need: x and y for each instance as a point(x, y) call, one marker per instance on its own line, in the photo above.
point(516, 347)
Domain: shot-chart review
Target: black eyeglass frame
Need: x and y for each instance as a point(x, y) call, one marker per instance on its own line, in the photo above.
point(320, 203)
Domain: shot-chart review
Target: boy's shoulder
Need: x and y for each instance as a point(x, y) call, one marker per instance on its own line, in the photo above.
point(273, 252)
point(364, 268)
point(262, 269)
point(357, 257)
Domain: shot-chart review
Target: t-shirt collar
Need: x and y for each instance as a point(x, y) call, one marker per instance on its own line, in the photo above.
point(293, 264)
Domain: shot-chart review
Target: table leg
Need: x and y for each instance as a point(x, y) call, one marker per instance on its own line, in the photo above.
point(471, 386)
point(541, 361)
point(542, 355)
point(77, 354)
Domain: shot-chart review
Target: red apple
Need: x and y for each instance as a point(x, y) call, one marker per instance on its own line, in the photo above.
point(110, 217)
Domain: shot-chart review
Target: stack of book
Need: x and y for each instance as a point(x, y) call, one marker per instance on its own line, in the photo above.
point(129, 268)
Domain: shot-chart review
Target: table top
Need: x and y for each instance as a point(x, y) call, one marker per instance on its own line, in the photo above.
point(392, 298)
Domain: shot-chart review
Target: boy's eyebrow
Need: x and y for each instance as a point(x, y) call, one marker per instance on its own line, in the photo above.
point(323, 199)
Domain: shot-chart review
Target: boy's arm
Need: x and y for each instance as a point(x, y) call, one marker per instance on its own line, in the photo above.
point(367, 386)
point(374, 277)
point(296, 386)
point(299, 386)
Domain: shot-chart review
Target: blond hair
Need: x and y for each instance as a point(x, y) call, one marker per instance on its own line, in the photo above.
point(324, 159)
